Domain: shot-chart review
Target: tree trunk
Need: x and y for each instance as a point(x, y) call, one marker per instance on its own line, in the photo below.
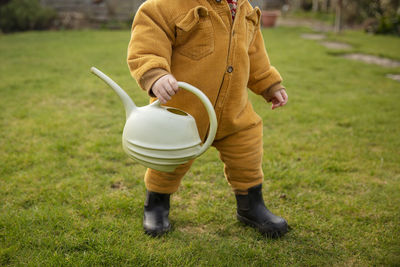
point(296, 4)
point(339, 13)
point(315, 5)
point(332, 6)
point(324, 7)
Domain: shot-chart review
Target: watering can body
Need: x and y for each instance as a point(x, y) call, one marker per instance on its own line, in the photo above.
point(160, 137)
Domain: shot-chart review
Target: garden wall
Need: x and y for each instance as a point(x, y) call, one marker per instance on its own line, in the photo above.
point(96, 10)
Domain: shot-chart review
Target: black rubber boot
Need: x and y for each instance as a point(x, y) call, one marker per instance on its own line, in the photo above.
point(251, 210)
point(156, 211)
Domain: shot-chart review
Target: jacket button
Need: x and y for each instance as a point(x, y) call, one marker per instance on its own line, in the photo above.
point(229, 69)
point(218, 1)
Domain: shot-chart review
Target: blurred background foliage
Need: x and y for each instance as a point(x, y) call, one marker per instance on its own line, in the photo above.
point(374, 16)
point(24, 15)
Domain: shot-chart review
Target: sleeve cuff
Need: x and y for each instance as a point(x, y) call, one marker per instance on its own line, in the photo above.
point(150, 77)
point(269, 93)
point(265, 80)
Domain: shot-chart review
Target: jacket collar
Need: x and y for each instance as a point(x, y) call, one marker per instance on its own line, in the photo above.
point(239, 2)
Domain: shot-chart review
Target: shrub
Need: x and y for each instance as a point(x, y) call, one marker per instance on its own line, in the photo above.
point(389, 25)
point(23, 15)
point(383, 25)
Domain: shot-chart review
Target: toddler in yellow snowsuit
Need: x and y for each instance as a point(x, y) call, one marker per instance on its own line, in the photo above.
point(217, 46)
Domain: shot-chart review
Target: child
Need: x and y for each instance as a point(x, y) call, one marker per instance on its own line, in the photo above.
point(217, 46)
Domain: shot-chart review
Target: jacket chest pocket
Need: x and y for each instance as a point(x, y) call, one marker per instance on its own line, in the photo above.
point(195, 34)
point(252, 24)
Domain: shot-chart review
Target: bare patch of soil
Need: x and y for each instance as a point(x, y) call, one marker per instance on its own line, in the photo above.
point(395, 77)
point(313, 36)
point(336, 45)
point(385, 62)
point(118, 185)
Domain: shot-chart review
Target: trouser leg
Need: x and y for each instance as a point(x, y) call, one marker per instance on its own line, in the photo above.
point(159, 186)
point(242, 155)
point(166, 182)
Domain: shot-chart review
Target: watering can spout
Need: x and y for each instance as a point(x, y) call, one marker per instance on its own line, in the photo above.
point(126, 100)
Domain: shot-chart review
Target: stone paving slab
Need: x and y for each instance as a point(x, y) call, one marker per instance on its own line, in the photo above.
point(384, 62)
point(395, 77)
point(337, 45)
point(313, 36)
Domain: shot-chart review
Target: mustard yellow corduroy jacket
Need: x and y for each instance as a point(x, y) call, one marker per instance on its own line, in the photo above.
point(197, 42)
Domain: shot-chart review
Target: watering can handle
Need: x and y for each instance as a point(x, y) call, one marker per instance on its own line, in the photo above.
point(211, 115)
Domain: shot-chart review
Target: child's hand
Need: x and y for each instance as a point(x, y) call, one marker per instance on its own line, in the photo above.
point(165, 87)
point(278, 99)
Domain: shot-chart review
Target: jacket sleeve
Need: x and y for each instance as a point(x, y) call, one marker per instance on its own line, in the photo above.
point(150, 46)
point(262, 76)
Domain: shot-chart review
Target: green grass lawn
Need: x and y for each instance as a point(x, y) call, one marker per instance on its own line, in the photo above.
point(70, 196)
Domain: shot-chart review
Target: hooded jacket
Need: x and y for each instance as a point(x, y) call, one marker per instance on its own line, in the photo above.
point(198, 43)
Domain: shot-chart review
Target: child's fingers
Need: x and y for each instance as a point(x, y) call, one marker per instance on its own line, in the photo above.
point(165, 87)
point(279, 97)
point(169, 90)
point(162, 97)
point(274, 106)
point(284, 96)
point(275, 103)
point(173, 83)
point(162, 94)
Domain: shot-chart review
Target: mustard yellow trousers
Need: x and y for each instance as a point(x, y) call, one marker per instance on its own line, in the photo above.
point(241, 153)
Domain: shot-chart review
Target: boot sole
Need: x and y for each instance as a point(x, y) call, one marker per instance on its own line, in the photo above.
point(269, 232)
point(157, 233)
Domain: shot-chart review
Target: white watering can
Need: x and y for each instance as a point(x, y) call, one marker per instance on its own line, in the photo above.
point(160, 137)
